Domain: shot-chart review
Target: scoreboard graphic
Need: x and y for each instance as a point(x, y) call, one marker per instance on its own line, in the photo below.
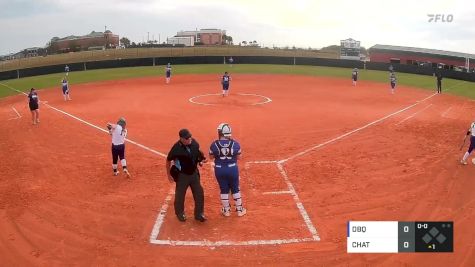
point(399, 237)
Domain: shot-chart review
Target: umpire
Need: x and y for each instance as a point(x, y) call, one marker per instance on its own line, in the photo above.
point(439, 81)
point(186, 155)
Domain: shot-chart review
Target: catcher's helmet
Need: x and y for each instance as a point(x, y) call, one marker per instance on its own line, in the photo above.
point(224, 129)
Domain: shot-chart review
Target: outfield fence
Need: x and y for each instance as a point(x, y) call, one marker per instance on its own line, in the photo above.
point(116, 58)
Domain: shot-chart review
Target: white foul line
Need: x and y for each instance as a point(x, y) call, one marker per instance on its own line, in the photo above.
point(277, 193)
point(160, 218)
point(16, 111)
point(315, 237)
point(414, 114)
point(90, 124)
point(299, 204)
point(353, 131)
point(207, 243)
point(18, 116)
point(445, 112)
point(262, 162)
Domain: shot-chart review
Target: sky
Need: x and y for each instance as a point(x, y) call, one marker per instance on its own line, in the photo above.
point(300, 23)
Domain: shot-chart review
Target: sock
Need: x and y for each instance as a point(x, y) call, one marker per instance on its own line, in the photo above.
point(465, 156)
point(123, 163)
point(114, 167)
point(225, 201)
point(237, 200)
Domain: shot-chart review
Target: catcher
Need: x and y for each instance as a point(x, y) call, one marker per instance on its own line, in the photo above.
point(118, 133)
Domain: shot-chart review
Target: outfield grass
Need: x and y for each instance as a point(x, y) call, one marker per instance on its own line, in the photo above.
point(455, 87)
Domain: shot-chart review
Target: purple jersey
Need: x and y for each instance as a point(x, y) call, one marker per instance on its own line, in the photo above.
point(225, 152)
point(226, 79)
point(168, 71)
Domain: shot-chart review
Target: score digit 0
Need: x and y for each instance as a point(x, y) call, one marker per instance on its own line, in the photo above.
point(422, 225)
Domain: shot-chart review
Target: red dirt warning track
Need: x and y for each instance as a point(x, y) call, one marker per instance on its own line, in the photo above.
point(60, 204)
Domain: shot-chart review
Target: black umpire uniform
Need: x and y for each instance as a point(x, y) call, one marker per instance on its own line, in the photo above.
point(439, 81)
point(186, 155)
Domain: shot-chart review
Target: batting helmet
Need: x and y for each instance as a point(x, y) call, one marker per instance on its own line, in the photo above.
point(121, 122)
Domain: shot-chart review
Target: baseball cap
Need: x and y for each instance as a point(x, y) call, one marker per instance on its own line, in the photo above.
point(224, 129)
point(184, 133)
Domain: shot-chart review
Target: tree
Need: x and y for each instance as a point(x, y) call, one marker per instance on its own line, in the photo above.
point(244, 42)
point(52, 46)
point(125, 41)
point(230, 40)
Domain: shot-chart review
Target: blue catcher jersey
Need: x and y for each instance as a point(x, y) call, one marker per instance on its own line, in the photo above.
point(225, 151)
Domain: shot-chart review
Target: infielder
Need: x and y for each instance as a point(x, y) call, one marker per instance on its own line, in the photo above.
point(65, 86)
point(226, 152)
point(118, 133)
point(225, 80)
point(471, 132)
point(34, 107)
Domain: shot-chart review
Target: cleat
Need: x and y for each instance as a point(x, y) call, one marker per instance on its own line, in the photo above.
point(463, 162)
point(241, 211)
point(116, 173)
point(226, 212)
point(127, 173)
point(200, 218)
point(181, 217)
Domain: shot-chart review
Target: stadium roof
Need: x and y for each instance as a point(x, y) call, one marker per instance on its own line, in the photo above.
point(423, 50)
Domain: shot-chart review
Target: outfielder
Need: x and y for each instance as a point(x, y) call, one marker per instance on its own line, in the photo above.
point(226, 152)
point(118, 133)
point(65, 86)
point(354, 76)
point(168, 72)
point(392, 80)
point(471, 132)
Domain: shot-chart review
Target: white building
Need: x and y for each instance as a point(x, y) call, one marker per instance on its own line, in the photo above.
point(205, 36)
point(185, 40)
